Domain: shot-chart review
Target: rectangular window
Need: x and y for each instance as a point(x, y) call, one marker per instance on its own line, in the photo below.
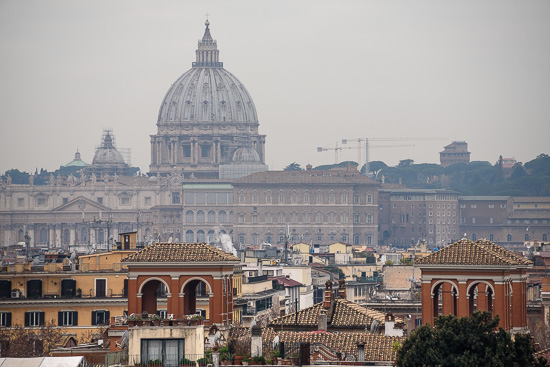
point(100, 287)
point(355, 198)
point(147, 200)
point(101, 317)
point(5, 319)
point(34, 318)
point(124, 200)
point(175, 198)
point(41, 201)
point(67, 318)
point(100, 200)
point(168, 351)
point(186, 150)
point(68, 288)
point(205, 151)
point(369, 198)
point(20, 202)
point(211, 198)
point(65, 200)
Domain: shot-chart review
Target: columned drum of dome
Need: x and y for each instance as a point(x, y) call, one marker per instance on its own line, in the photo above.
point(206, 115)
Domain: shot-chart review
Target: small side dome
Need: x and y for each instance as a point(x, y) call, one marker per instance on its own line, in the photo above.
point(245, 155)
point(107, 154)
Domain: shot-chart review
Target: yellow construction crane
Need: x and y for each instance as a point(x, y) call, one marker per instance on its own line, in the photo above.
point(367, 145)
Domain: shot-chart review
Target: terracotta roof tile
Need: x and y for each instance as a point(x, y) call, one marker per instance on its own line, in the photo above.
point(377, 347)
point(346, 314)
point(466, 252)
point(180, 252)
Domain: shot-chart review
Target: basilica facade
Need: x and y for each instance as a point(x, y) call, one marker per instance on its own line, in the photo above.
point(207, 177)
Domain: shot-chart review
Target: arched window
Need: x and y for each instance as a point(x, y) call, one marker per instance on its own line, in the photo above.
point(200, 216)
point(189, 237)
point(66, 236)
point(545, 237)
point(211, 217)
point(509, 237)
point(222, 216)
point(200, 236)
point(211, 236)
point(319, 218)
point(474, 237)
point(43, 235)
point(231, 216)
point(84, 235)
point(527, 237)
point(189, 216)
point(20, 236)
point(100, 236)
point(491, 237)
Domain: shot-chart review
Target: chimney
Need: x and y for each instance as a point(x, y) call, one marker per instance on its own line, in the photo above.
point(389, 323)
point(389, 326)
point(329, 296)
point(322, 324)
point(423, 246)
point(342, 289)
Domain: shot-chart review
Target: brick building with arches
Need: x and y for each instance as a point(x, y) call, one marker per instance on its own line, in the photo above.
point(467, 276)
point(180, 268)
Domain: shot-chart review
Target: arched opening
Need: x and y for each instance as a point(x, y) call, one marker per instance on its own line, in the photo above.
point(196, 299)
point(445, 298)
point(151, 291)
point(20, 236)
point(480, 297)
point(211, 236)
point(189, 237)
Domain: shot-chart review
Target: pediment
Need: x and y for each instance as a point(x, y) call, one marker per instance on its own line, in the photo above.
point(81, 204)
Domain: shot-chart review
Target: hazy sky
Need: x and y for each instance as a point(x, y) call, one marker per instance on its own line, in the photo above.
point(318, 71)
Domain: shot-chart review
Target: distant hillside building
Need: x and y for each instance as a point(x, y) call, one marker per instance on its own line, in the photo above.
point(456, 152)
point(408, 216)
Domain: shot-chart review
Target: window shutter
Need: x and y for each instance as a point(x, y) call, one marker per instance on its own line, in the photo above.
point(94, 317)
point(60, 318)
point(41, 319)
point(107, 318)
point(75, 318)
point(8, 319)
point(27, 318)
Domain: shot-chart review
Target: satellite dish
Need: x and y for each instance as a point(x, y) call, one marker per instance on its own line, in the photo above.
point(373, 326)
point(124, 340)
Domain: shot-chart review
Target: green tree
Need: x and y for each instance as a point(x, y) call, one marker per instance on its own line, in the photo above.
point(466, 341)
point(293, 167)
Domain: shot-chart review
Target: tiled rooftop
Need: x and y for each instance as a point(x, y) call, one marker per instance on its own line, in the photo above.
point(180, 252)
point(345, 314)
point(481, 252)
point(377, 347)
